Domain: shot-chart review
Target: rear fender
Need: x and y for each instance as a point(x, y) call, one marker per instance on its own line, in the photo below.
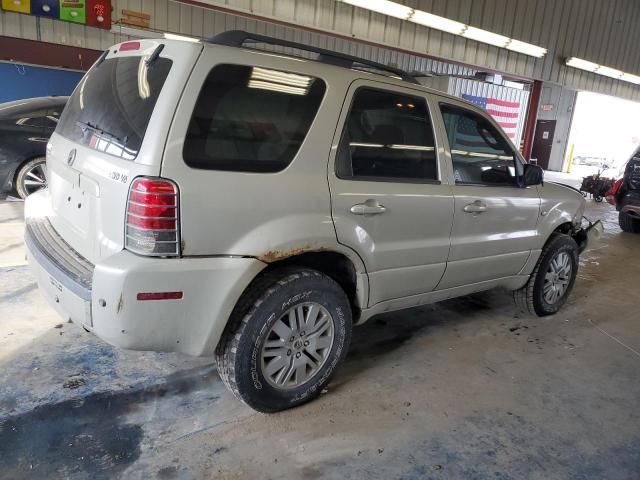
point(294, 235)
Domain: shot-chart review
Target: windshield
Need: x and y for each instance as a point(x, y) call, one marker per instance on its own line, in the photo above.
point(111, 107)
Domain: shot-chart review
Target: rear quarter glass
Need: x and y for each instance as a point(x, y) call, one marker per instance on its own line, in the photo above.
point(110, 109)
point(251, 119)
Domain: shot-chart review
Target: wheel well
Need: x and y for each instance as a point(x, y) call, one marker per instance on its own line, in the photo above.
point(335, 265)
point(578, 235)
point(566, 228)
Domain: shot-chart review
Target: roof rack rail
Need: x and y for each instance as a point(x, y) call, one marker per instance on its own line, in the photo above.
point(237, 38)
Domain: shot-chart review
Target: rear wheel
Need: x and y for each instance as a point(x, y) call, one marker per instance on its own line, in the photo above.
point(628, 223)
point(552, 280)
point(286, 336)
point(31, 177)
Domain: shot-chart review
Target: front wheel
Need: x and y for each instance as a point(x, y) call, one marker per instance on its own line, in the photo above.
point(288, 333)
point(552, 280)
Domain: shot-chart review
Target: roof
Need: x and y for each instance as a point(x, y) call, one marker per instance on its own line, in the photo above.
point(330, 60)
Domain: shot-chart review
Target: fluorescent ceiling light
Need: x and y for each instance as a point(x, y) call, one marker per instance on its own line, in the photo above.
point(609, 72)
point(437, 22)
point(581, 64)
point(394, 9)
point(173, 36)
point(602, 70)
point(277, 87)
point(384, 7)
point(485, 36)
point(276, 76)
point(526, 48)
point(627, 77)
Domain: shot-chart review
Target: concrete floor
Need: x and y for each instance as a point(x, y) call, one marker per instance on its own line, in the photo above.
point(463, 389)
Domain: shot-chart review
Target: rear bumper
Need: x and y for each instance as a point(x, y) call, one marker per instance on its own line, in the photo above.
point(103, 298)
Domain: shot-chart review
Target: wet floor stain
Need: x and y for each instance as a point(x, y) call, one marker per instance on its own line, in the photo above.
point(88, 436)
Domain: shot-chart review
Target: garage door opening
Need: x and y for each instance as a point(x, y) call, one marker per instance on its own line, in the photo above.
point(604, 133)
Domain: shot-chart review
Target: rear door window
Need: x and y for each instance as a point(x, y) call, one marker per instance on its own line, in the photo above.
point(251, 119)
point(111, 107)
point(388, 136)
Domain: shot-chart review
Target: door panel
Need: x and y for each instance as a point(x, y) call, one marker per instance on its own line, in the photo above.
point(388, 203)
point(405, 248)
point(494, 224)
point(493, 243)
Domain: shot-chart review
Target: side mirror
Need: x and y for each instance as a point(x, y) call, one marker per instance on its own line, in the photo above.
point(533, 175)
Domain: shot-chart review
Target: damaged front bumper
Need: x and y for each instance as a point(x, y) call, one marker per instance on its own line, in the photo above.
point(585, 236)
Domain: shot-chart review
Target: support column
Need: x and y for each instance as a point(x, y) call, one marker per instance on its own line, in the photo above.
point(532, 118)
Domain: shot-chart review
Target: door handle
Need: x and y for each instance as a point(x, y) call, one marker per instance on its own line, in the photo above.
point(370, 207)
point(475, 207)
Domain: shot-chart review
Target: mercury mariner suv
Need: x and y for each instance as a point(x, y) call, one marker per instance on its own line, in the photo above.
point(215, 199)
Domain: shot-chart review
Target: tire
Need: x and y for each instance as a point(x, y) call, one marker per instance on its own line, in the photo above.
point(628, 223)
point(250, 367)
point(532, 298)
point(598, 198)
point(26, 181)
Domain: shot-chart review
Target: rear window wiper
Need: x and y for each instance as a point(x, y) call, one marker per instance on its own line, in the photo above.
point(102, 57)
point(84, 126)
point(154, 56)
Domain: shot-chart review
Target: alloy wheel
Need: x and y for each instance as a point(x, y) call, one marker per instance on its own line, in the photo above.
point(557, 278)
point(297, 346)
point(35, 178)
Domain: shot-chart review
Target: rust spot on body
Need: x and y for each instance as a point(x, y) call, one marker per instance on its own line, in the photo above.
point(275, 255)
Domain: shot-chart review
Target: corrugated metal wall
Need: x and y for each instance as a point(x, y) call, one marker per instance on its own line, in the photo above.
point(563, 102)
point(602, 31)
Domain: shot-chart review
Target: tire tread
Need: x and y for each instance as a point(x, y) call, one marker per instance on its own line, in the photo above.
point(262, 287)
point(628, 224)
point(524, 297)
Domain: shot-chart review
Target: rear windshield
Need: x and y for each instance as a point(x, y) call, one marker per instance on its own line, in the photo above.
point(110, 108)
point(251, 119)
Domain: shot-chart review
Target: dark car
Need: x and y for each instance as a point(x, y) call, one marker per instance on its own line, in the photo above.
point(25, 128)
point(625, 195)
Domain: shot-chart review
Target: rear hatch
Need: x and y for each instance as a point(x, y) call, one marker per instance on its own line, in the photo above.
point(112, 130)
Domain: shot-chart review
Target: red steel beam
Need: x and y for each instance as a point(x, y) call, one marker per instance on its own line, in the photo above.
point(532, 118)
point(46, 54)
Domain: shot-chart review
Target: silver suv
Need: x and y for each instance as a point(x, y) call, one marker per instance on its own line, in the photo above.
point(210, 198)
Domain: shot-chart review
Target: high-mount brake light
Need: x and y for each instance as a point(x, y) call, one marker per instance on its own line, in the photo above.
point(129, 46)
point(152, 220)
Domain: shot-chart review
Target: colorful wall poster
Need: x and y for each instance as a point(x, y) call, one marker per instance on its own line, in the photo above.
point(73, 11)
point(95, 13)
point(46, 8)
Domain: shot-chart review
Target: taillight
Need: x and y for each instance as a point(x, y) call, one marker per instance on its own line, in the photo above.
point(613, 192)
point(153, 224)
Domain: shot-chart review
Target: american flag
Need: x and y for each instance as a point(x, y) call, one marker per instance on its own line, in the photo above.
point(505, 113)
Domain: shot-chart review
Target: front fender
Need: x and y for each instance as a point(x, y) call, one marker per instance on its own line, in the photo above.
point(559, 205)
